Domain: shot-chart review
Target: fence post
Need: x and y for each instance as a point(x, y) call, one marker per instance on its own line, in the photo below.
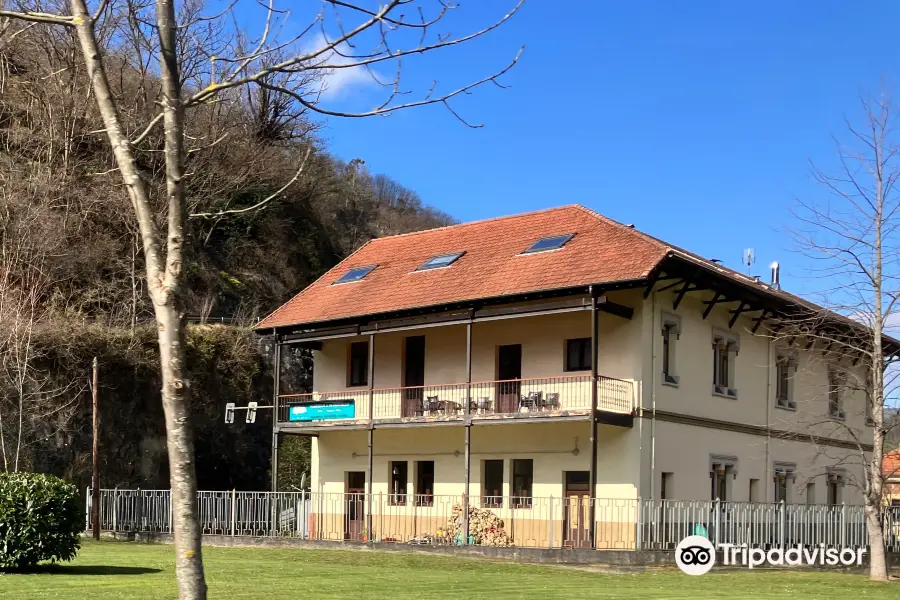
point(550, 522)
point(87, 509)
point(115, 515)
point(843, 525)
point(380, 517)
point(171, 527)
point(233, 511)
point(640, 524)
point(781, 519)
point(717, 522)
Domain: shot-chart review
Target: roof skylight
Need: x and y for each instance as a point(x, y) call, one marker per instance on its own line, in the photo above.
point(355, 274)
point(553, 242)
point(441, 260)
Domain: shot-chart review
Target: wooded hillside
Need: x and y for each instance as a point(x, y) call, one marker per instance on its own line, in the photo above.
point(71, 271)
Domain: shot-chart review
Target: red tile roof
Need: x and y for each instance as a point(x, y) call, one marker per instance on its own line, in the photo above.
point(602, 251)
point(891, 465)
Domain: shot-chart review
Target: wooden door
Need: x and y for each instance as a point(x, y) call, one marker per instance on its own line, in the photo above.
point(577, 510)
point(509, 372)
point(355, 509)
point(413, 376)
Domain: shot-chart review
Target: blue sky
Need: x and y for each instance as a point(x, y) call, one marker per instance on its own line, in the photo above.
point(694, 121)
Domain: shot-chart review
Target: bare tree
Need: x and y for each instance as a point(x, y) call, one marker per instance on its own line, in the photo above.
point(852, 238)
point(198, 64)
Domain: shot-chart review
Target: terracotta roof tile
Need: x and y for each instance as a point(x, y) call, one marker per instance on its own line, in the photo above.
point(602, 251)
point(891, 464)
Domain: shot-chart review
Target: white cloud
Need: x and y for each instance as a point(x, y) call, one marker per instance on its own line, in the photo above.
point(338, 82)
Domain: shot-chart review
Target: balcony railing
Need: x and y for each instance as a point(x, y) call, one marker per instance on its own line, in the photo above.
point(541, 396)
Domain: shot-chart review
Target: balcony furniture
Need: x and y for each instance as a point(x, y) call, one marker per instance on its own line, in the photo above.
point(450, 407)
point(432, 405)
point(484, 405)
point(552, 401)
point(532, 401)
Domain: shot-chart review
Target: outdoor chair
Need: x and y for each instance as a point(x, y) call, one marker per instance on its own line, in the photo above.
point(552, 401)
point(432, 405)
point(484, 405)
point(532, 401)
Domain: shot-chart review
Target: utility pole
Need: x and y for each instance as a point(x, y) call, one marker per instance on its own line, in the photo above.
point(95, 457)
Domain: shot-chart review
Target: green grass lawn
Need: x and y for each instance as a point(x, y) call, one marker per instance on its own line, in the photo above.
point(141, 571)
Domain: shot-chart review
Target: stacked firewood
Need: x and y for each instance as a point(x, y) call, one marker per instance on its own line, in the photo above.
point(485, 528)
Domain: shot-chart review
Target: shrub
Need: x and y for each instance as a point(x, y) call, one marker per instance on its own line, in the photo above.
point(40, 519)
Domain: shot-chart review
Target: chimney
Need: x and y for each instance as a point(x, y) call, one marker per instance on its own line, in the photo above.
point(776, 275)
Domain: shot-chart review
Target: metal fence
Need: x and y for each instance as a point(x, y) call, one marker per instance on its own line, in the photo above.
point(624, 524)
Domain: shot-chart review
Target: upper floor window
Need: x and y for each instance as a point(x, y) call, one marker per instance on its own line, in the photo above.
point(578, 354)
point(835, 394)
point(671, 331)
point(358, 369)
point(785, 367)
point(725, 347)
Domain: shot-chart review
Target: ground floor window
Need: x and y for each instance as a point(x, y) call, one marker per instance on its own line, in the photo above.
point(425, 483)
point(399, 472)
point(492, 484)
point(523, 479)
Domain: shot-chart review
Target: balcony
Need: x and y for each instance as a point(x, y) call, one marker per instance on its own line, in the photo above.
point(530, 398)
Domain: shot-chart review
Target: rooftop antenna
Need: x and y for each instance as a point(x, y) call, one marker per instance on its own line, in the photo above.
point(776, 275)
point(749, 258)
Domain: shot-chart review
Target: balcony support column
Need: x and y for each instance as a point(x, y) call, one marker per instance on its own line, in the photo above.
point(468, 427)
point(371, 468)
point(592, 511)
point(276, 386)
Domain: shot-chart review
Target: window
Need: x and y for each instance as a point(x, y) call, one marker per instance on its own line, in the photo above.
point(523, 478)
point(784, 477)
point(671, 331)
point(359, 364)
point(553, 242)
point(754, 490)
point(492, 484)
point(399, 472)
point(425, 483)
point(355, 274)
point(723, 470)
point(785, 367)
point(835, 401)
point(578, 354)
point(725, 348)
point(666, 489)
point(442, 260)
point(834, 484)
point(811, 492)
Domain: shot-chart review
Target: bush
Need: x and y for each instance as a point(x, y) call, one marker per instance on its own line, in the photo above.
point(40, 519)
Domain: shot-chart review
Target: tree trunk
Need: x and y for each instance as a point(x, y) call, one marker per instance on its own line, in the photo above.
point(180, 444)
point(877, 559)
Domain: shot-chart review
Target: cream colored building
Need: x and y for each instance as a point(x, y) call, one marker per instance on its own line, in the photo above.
point(603, 365)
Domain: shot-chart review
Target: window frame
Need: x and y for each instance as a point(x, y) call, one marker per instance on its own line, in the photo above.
point(564, 237)
point(721, 468)
point(401, 498)
point(488, 499)
point(725, 346)
point(423, 498)
point(670, 324)
point(785, 371)
point(351, 380)
point(784, 475)
point(834, 394)
point(586, 343)
point(344, 278)
point(521, 500)
point(427, 266)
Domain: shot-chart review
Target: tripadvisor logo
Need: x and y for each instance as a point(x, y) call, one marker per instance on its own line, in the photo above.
point(696, 555)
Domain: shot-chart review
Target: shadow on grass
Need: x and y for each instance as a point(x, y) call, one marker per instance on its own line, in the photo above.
point(87, 570)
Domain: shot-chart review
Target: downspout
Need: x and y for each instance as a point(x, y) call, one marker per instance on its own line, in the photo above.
point(653, 399)
point(768, 416)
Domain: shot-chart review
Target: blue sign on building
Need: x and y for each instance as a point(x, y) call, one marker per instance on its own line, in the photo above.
point(322, 411)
